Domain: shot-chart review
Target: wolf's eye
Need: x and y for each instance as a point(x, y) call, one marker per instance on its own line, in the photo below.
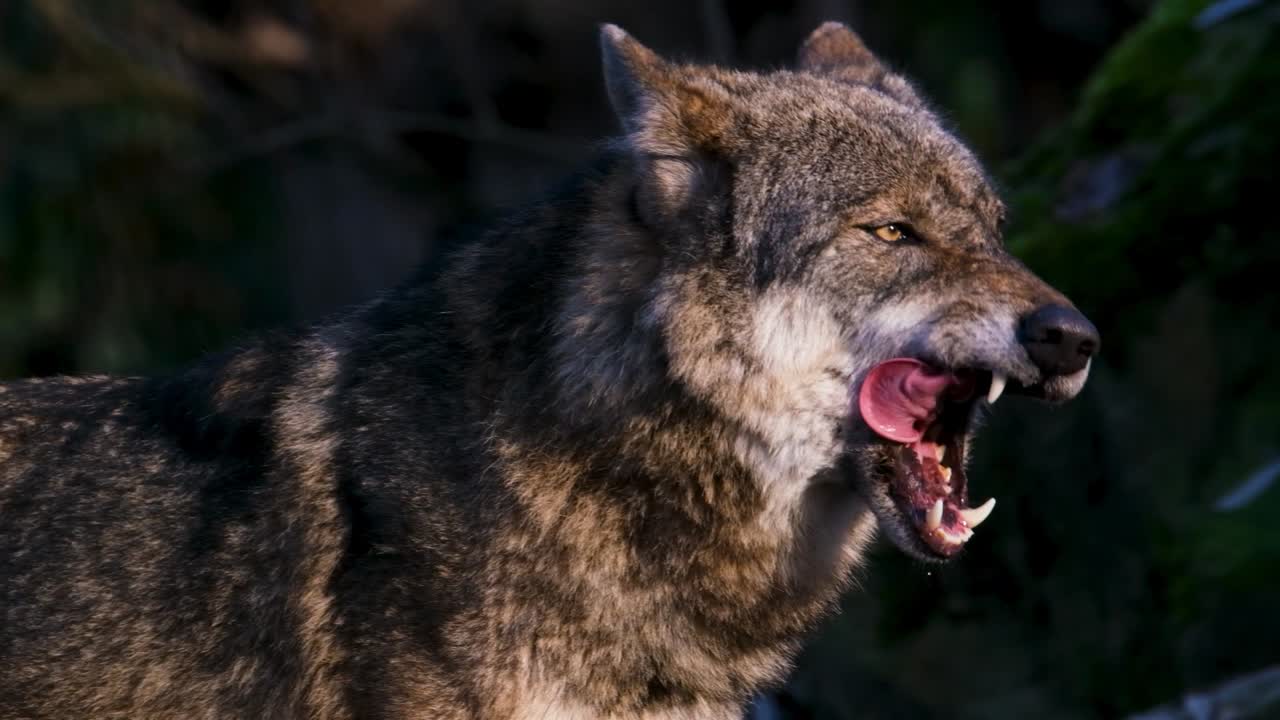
point(894, 233)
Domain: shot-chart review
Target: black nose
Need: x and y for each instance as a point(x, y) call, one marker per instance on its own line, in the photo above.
point(1059, 339)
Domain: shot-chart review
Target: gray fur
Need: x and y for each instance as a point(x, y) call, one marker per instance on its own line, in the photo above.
point(603, 461)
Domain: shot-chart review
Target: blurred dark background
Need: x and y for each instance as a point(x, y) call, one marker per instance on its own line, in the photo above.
point(175, 175)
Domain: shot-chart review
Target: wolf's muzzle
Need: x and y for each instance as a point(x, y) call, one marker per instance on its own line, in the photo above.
point(1060, 340)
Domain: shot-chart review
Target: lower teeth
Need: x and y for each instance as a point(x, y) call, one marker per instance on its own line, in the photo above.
point(971, 517)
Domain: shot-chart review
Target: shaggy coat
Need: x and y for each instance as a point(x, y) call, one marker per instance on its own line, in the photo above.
point(600, 462)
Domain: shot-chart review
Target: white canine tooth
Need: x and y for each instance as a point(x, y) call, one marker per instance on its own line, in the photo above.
point(973, 517)
point(998, 381)
point(942, 453)
point(934, 520)
point(946, 473)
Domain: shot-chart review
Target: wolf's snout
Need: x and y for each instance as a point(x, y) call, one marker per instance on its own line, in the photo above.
point(1060, 340)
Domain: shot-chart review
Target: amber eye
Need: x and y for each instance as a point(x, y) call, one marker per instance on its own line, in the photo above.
point(893, 233)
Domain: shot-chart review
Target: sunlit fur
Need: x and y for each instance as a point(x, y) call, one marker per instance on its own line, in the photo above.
point(602, 461)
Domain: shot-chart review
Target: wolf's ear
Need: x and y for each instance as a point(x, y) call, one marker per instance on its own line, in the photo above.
point(663, 106)
point(834, 47)
point(633, 74)
point(676, 122)
point(835, 50)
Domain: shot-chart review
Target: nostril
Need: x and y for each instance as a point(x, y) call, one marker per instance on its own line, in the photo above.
point(1059, 340)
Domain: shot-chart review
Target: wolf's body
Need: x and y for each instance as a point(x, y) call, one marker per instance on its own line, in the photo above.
point(602, 462)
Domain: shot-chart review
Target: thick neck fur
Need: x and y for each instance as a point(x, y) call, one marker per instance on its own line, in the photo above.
point(672, 574)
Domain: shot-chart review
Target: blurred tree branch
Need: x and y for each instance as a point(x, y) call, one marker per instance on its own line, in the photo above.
point(376, 129)
point(101, 72)
point(68, 90)
point(262, 40)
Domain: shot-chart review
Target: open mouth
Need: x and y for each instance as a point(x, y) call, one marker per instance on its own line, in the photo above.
point(924, 414)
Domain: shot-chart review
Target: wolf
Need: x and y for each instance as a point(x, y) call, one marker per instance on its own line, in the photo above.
point(611, 458)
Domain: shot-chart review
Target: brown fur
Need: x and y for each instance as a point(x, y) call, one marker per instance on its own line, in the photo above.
point(602, 461)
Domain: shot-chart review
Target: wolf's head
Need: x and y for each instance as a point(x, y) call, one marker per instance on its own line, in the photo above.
point(822, 263)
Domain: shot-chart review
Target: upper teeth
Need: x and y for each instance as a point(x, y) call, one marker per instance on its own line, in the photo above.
point(973, 517)
point(934, 520)
point(998, 381)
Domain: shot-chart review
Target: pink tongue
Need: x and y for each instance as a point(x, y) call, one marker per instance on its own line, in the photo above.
point(899, 397)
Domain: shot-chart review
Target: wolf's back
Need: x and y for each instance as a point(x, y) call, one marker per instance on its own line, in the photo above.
point(147, 564)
